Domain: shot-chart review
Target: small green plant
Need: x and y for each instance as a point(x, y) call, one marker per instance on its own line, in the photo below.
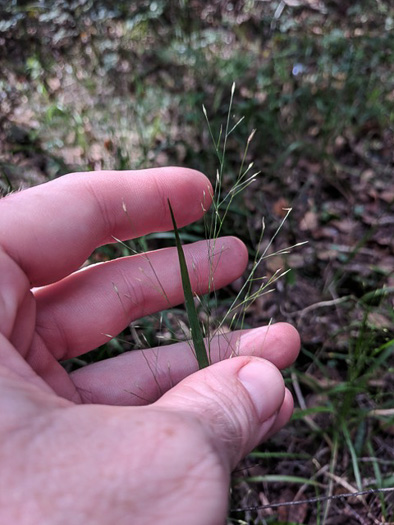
point(352, 407)
point(204, 321)
point(253, 287)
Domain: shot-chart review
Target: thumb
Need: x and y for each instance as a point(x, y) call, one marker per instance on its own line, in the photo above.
point(239, 402)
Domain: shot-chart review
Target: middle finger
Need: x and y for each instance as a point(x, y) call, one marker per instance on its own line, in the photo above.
point(76, 314)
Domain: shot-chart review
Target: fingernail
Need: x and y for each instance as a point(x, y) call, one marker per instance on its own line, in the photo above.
point(265, 386)
point(254, 339)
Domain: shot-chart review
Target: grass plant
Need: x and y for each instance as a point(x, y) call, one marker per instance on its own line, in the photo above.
point(253, 287)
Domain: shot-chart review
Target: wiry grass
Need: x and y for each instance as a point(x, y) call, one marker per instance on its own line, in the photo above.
point(253, 287)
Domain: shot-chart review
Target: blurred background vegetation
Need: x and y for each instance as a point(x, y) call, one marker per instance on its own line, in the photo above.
point(90, 84)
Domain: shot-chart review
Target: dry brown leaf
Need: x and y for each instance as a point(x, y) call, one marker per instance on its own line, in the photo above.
point(297, 514)
point(296, 260)
point(280, 206)
point(274, 263)
point(376, 320)
point(387, 196)
point(310, 221)
point(345, 225)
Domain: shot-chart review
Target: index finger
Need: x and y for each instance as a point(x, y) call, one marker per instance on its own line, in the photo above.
point(51, 229)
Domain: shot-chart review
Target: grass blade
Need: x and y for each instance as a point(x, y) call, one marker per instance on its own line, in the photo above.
point(282, 478)
point(353, 455)
point(195, 328)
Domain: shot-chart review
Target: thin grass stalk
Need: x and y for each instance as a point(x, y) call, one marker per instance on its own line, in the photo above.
point(353, 455)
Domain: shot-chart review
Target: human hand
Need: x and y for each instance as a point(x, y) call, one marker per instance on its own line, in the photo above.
point(77, 448)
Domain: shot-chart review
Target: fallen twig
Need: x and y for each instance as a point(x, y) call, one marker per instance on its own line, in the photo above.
point(313, 500)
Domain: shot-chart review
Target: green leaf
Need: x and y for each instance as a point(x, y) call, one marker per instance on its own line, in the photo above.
point(195, 328)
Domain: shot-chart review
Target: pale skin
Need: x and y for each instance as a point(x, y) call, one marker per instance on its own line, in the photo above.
point(139, 438)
